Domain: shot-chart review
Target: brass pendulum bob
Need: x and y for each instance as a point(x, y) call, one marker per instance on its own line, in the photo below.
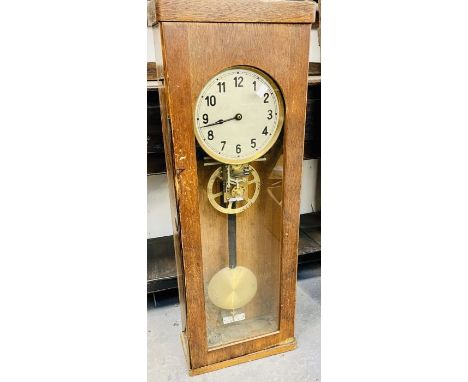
point(234, 286)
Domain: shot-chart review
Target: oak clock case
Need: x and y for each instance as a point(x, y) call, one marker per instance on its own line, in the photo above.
point(238, 121)
point(234, 188)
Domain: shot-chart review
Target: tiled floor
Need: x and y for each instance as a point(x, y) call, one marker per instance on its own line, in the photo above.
point(166, 360)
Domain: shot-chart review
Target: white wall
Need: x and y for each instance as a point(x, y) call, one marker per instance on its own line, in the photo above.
point(158, 208)
point(309, 195)
point(153, 45)
point(314, 48)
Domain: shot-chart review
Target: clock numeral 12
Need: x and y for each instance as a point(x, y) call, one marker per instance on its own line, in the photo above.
point(238, 81)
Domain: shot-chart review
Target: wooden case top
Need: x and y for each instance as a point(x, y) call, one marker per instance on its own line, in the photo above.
point(239, 11)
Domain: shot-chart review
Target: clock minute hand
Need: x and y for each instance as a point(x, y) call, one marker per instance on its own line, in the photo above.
point(237, 117)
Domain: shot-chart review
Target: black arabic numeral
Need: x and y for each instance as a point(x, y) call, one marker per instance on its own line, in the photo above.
point(205, 118)
point(253, 143)
point(255, 86)
point(238, 81)
point(224, 144)
point(238, 149)
point(210, 135)
point(266, 96)
point(270, 114)
point(222, 87)
point(210, 100)
point(265, 131)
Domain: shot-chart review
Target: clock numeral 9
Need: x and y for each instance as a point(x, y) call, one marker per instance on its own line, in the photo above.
point(266, 96)
point(253, 143)
point(238, 81)
point(210, 135)
point(205, 118)
point(210, 100)
point(222, 87)
point(270, 114)
point(238, 149)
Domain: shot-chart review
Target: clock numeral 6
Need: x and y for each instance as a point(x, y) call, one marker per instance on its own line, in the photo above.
point(210, 135)
point(238, 149)
point(205, 118)
point(253, 143)
point(210, 100)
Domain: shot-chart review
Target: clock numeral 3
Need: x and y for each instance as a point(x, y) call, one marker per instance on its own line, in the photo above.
point(270, 114)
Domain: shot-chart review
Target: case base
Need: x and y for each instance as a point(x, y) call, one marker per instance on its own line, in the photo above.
point(277, 349)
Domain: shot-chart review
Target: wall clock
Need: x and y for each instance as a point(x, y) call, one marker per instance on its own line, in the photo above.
point(239, 115)
point(233, 106)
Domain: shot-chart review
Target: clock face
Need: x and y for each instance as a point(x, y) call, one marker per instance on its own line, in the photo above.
point(239, 115)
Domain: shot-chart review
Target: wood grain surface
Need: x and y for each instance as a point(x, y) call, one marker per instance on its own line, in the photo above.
point(278, 349)
point(246, 11)
point(173, 199)
point(192, 54)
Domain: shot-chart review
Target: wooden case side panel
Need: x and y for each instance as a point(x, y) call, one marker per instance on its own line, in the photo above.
point(179, 103)
point(294, 130)
point(168, 150)
point(240, 11)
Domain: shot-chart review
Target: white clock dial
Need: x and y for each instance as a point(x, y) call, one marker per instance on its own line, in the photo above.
point(239, 115)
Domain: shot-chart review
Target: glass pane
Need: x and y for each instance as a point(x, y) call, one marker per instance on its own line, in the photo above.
point(241, 252)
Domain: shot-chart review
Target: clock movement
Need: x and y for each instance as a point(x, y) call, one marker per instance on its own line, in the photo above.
point(233, 108)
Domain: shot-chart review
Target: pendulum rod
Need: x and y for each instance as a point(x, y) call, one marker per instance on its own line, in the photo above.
point(232, 238)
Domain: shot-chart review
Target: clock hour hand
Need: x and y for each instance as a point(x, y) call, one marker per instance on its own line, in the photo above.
point(237, 117)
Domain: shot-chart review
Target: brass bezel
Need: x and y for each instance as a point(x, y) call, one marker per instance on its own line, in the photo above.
point(273, 138)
